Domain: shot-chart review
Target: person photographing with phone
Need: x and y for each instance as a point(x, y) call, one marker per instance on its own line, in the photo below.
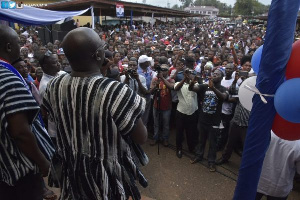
point(134, 80)
point(214, 94)
point(186, 115)
point(239, 123)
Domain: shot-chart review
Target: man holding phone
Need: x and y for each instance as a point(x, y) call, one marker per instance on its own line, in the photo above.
point(239, 123)
point(214, 94)
point(134, 80)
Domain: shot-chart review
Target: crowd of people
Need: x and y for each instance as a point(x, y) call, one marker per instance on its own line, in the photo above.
point(185, 74)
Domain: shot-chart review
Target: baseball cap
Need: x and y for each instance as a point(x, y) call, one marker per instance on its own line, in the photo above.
point(144, 58)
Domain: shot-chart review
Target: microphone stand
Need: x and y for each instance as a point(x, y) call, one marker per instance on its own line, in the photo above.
point(158, 114)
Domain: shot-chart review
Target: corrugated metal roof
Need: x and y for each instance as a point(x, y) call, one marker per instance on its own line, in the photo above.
point(107, 8)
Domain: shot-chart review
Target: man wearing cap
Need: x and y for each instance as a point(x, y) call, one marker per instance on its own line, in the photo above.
point(144, 69)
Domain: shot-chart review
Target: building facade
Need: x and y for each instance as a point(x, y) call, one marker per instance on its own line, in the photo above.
point(203, 10)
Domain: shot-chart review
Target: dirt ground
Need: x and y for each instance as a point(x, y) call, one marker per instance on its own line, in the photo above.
point(171, 178)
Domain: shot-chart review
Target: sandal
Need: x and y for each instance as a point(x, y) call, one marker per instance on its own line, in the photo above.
point(49, 194)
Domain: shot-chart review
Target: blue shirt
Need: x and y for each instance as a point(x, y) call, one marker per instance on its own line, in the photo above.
point(29, 78)
point(148, 75)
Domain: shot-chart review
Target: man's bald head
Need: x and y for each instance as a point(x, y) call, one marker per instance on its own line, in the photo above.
point(9, 44)
point(81, 47)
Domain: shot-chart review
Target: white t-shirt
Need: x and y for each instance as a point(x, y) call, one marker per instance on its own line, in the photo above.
point(188, 102)
point(281, 162)
point(227, 107)
point(42, 88)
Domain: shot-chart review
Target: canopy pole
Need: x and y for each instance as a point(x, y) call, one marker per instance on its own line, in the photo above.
point(152, 20)
point(100, 16)
point(93, 17)
point(131, 20)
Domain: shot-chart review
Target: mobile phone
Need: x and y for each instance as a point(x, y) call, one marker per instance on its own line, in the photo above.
point(243, 73)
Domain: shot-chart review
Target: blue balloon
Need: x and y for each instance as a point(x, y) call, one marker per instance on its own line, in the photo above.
point(255, 61)
point(287, 100)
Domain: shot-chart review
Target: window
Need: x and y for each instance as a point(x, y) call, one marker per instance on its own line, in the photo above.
point(209, 13)
point(197, 11)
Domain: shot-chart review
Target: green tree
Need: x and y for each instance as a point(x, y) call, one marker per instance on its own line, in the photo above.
point(186, 3)
point(176, 7)
point(249, 7)
point(243, 7)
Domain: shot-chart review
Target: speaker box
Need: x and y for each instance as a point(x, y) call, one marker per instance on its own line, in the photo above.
point(58, 35)
point(66, 26)
point(45, 35)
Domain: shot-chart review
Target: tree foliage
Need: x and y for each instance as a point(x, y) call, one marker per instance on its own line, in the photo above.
point(250, 7)
point(176, 7)
point(241, 7)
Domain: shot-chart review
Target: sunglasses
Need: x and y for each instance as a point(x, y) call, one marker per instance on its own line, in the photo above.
point(103, 46)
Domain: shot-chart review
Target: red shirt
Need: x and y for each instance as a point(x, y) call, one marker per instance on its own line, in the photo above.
point(171, 69)
point(36, 83)
point(165, 97)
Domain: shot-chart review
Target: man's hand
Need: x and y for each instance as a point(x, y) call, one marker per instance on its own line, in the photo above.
point(125, 71)
point(25, 140)
point(187, 75)
point(195, 79)
point(179, 68)
point(155, 83)
point(231, 45)
point(159, 75)
point(135, 75)
point(210, 83)
point(44, 168)
point(236, 77)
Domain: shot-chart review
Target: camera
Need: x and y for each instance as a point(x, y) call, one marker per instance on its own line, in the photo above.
point(160, 69)
point(157, 68)
point(244, 74)
point(189, 71)
point(131, 71)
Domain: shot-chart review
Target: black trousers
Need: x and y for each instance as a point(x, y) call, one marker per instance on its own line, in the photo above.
point(260, 195)
point(223, 136)
point(236, 133)
point(207, 132)
point(30, 187)
point(187, 123)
